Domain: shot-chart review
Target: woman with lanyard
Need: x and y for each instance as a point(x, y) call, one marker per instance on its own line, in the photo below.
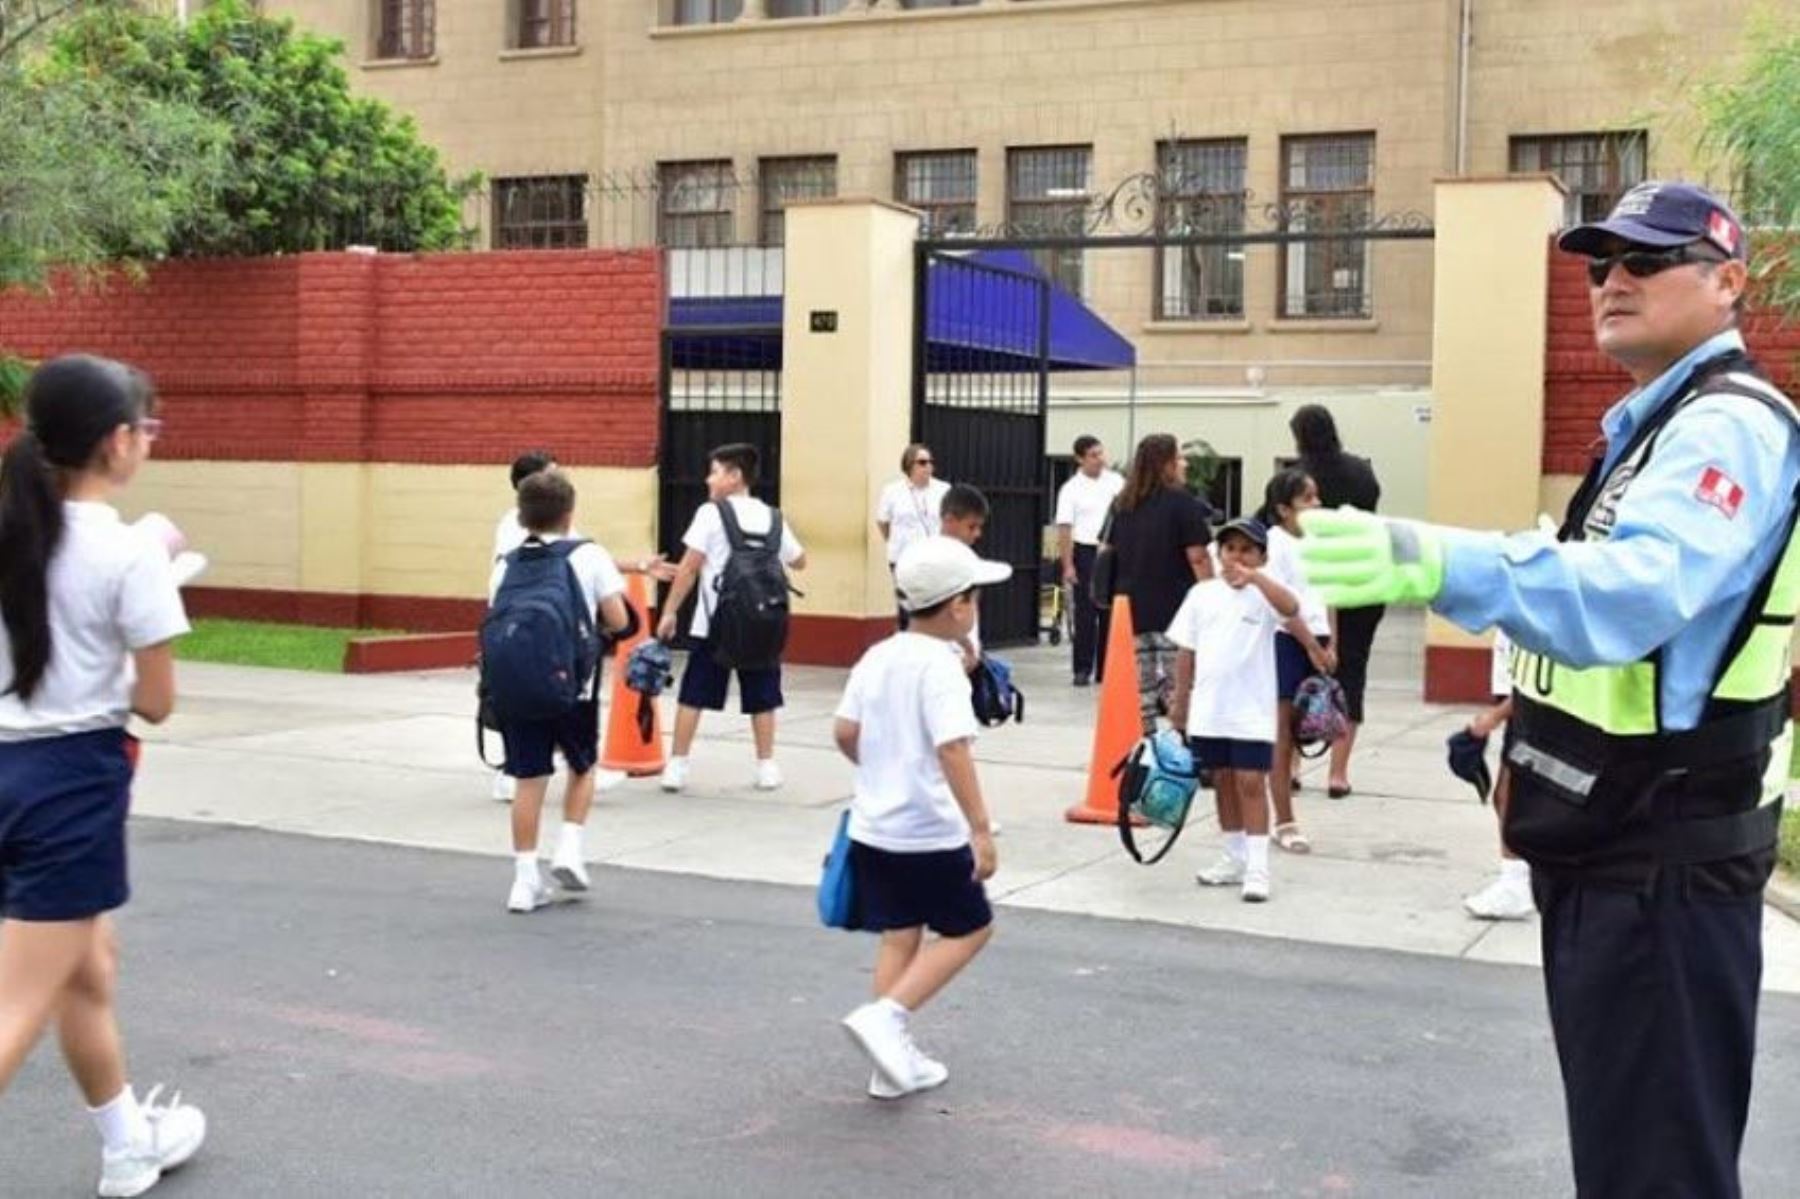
point(911, 506)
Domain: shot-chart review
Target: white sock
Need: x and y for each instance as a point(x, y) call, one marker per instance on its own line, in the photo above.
point(1234, 844)
point(1259, 853)
point(525, 866)
point(893, 1006)
point(1515, 870)
point(675, 760)
point(121, 1123)
point(569, 840)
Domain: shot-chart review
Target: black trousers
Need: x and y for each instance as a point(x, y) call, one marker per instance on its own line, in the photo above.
point(1089, 643)
point(1355, 641)
point(1653, 997)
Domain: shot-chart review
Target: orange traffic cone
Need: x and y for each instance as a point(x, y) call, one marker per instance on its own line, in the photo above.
point(1119, 725)
point(626, 749)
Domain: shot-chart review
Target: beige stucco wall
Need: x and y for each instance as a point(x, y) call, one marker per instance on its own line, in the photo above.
point(244, 515)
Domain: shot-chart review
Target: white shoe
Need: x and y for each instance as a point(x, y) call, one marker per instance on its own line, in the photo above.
point(1226, 872)
point(768, 775)
point(569, 871)
point(609, 780)
point(927, 1074)
point(674, 775)
point(176, 1132)
point(528, 895)
point(1503, 899)
point(1256, 886)
point(880, 1032)
point(503, 787)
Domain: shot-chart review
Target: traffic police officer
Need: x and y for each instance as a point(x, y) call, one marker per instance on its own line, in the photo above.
point(1649, 743)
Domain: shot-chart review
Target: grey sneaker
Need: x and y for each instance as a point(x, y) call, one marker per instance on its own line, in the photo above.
point(1226, 872)
point(176, 1133)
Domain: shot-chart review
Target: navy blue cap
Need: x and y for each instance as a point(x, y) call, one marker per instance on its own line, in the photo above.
point(1468, 761)
point(1250, 527)
point(1660, 215)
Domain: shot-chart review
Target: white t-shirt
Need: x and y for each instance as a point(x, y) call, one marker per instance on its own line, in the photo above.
point(1082, 504)
point(1286, 568)
point(594, 569)
point(911, 513)
point(707, 535)
point(1500, 668)
point(111, 593)
point(911, 699)
point(1232, 635)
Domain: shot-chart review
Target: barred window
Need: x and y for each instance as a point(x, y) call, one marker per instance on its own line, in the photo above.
point(1596, 168)
point(1200, 190)
point(782, 9)
point(547, 212)
point(1327, 185)
point(707, 12)
point(1047, 195)
point(694, 204)
point(785, 179)
point(406, 29)
point(543, 23)
point(941, 184)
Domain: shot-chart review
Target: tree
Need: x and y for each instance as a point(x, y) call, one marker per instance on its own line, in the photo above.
point(314, 167)
point(1751, 120)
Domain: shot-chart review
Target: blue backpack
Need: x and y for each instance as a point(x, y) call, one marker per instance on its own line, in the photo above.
point(1157, 782)
point(991, 691)
point(539, 643)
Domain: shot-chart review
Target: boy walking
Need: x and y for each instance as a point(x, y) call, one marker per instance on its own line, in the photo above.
point(921, 843)
point(1225, 696)
point(549, 589)
point(710, 545)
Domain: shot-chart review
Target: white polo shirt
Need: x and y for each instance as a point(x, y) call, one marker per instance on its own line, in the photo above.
point(111, 593)
point(910, 513)
point(1082, 503)
point(911, 699)
point(1231, 632)
point(706, 534)
point(1285, 567)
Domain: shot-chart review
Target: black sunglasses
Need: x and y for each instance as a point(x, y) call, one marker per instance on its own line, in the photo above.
point(1641, 264)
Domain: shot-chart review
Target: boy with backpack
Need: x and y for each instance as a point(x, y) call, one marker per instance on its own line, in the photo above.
point(738, 552)
point(540, 668)
point(1225, 696)
point(920, 841)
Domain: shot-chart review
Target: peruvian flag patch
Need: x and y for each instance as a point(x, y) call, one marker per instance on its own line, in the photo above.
point(1722, 232)
point(1718, 489)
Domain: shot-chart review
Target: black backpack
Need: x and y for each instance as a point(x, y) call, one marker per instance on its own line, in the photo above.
point(750, 614)
point(539, 643)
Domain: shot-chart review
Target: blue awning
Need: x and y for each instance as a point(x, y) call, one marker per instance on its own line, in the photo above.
point(980, 321)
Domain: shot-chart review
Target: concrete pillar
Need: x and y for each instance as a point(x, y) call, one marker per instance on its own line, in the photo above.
point(1489, 327)
point(846, 400)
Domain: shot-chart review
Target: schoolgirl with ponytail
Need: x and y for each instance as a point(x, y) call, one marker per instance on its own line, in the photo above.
point(89, 609)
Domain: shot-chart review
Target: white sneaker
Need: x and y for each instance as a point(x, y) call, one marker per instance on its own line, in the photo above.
point(503, 787)
point(176, 1132)
point(768, 775)
point(609, 780)
point(881, 1033)
point(1503, 899)
point(1226, 872)
point(927, 1074)
point(674, 775)
point(528, 895)
point(1256, 886)
point(569, 871)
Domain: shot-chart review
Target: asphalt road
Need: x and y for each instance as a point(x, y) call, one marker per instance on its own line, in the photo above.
point(363, 1021)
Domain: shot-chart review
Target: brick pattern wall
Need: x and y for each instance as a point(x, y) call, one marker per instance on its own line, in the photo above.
point(1580, 383)
point(380, 358)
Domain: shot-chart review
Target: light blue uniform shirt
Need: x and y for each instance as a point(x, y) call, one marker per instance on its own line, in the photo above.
point(1677, 570)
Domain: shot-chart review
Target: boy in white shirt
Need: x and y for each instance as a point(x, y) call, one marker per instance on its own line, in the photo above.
point(546, 508)
point(921, 843)
point(1225, 696)
point(729, 478)
point(1082, 505)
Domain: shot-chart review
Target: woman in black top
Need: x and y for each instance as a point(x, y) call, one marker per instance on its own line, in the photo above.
point(1159, 535)
point(1342, 479)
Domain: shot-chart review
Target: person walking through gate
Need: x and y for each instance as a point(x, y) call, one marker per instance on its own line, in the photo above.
point(1082, 503)
point(910, 508)
point(1649, 739)
point(1342, 479)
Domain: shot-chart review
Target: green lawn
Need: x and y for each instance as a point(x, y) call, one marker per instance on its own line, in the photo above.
point(253, 643)
point(1790, 822)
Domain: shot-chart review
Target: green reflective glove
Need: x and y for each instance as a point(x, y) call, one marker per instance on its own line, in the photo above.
point(1357, 560)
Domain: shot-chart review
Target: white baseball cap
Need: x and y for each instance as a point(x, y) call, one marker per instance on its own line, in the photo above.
point(938, 568)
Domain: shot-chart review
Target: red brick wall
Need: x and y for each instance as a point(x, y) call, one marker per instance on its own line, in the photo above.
point(446, 358)
point(1580, 384)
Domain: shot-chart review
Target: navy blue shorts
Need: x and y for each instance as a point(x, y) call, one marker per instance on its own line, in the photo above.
point(704, 683)
point(63, 803)
point(936, 890)
point(1224, 753)
point(531, 747)
point(1292, 666)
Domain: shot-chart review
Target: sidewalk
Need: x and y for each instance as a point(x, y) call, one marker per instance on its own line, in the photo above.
point(391, 759)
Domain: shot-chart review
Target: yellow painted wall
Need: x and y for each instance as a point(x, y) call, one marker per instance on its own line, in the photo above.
point(244, 515)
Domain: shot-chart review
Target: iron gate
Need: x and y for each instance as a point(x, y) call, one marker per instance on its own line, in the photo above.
point(980, 387)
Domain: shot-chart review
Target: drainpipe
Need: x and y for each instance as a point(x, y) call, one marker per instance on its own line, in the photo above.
point(1464, 37)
